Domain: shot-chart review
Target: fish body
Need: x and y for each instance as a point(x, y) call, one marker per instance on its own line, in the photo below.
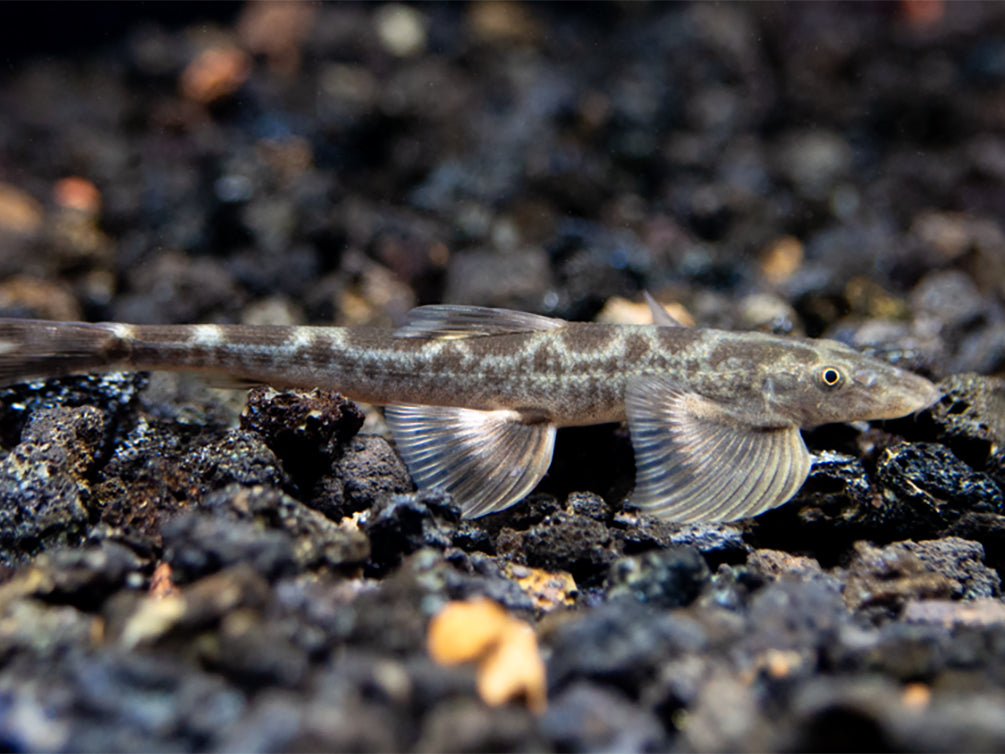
point(473, 395)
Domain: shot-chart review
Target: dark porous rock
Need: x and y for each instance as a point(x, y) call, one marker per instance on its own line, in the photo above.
point(777, 564)
point(305, 429)
point(531, 511)
point(264, 527)
point(240, 457)
point(844, 715)
point(970, 419)
point(719, 542)
point(148, 479)
point(44, 490)
point(41, 631)
point(989, 530)
point(462, 725)
point(731, 587)
point(966, 720)
point(129, 701)
point(255, 652)
point(727, 716)
point(86, 577)
point(283, 721)
point(587, 717)
point(368, 472)
point(403, 524)
point(928, 488)
point(566, 542)
point(795, 614)
point(114, 394)
point(620, 644)
point(908, 652)
point(198, 544)
point(68, 438)
point(472, 537)
point(464, 576)
point(837, 505)
point(173, 620)
point(881, 580)
point(590, 505)
point(318, 541)
point(963, 562)
point(661, 578)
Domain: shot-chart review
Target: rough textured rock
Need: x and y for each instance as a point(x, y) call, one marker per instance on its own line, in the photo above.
point(178, 576)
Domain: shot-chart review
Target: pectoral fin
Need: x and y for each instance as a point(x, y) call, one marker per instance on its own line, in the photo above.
point(698, 462)
point(488, 460)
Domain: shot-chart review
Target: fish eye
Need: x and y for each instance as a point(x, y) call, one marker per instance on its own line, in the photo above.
point(830, 377)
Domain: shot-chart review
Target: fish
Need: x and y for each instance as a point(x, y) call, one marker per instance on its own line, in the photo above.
point(473, 395)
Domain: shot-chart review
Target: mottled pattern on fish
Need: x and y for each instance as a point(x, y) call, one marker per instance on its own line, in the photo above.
point(473, 395)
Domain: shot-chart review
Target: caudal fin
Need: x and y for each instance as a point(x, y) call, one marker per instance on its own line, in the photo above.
point(32, 349)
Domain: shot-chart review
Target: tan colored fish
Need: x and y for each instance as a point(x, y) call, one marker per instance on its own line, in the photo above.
point(473, 395)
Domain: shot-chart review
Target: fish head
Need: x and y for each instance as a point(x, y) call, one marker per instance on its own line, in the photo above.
point(834, 383)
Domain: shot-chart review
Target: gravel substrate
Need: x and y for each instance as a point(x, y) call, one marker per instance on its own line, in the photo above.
point(183, 569)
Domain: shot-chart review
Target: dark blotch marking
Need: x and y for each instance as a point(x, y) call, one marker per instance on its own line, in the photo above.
point(636, 348)
point(544, 358)
point(587, 338)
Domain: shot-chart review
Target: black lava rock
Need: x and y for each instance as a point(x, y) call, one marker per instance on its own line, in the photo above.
point(366, 474)
point(403, 524)
point(44, 489)
point(929, 488)
point(305, 429)
point(661, 578)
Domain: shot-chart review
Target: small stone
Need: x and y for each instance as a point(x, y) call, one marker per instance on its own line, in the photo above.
point(930, 488)
point(562, 542)
point(240, 457)
point(401, 29)
point(214, 73)
point(305, 429)
point(19, 213)
point(950, 613)
point(590, 717)
point(661, 578)
point(365, 475)
point(781, 259)
point(44, 492)
point(886, 578)
point(404, 524)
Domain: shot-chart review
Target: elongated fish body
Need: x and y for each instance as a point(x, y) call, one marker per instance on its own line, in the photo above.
point(473, 395)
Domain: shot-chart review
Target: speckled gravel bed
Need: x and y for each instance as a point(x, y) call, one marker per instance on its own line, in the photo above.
point(188, 569)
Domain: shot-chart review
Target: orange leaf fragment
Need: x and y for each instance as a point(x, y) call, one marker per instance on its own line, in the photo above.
point(514, 669)
point(464, 631)
point(505, 648)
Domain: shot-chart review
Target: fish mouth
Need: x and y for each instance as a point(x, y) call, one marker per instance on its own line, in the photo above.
point(903, 393)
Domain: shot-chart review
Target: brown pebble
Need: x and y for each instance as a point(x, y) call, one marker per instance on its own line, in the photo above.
point(19, 212)
point(781, 260)
point(77, 193)
point(215, 73)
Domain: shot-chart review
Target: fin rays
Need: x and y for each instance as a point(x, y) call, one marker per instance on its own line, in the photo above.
point(695, 462)
point(488, 460)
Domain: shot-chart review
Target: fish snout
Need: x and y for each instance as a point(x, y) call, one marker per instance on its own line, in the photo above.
point(909, 393)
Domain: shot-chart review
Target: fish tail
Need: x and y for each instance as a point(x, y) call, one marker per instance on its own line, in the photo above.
point(35, 349)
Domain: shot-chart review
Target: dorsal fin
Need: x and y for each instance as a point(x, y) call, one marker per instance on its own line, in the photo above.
point(453, 321)
point(661, 316)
